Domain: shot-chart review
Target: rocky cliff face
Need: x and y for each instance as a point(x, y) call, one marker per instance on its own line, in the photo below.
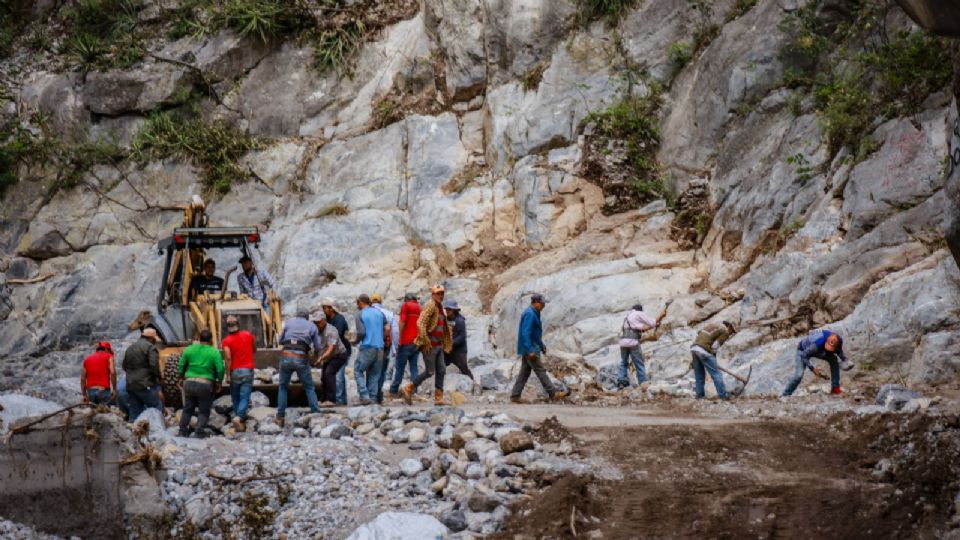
point(450, 146)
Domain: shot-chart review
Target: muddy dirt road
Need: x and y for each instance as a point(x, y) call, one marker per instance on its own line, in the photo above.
point(688, 476)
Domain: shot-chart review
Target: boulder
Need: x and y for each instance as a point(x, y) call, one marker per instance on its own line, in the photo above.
point(223, 404)
point(261, 413)
point(138, 90)
point(455, 382)
point(894, 396)
point(483, 499)
point(455, 520)
point(416, 435)
point(14, 407)
point(410, 466)
point(400, 526)
point(461, 436)
point(516, 441)
point(336, 431)
point(477, 448)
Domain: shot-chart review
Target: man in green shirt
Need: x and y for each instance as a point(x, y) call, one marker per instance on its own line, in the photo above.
point(201, 367)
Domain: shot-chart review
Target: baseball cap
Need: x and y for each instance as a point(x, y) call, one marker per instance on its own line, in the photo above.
point(451, 304)
point(410, 296)
point(534, 298)
point(328, 301)
point(105, 345)
point(150, 333)
point(376, 298)
point(232, 322)
point(437, 288)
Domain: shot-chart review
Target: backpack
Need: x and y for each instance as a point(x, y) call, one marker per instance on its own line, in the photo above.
point(626, 332)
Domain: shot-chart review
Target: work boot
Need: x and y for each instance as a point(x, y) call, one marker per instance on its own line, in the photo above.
point(559, 395)
point(438, 397)
point(407, 392)
point(238, 424)
point(395, 395)
point(280, 421)
point(518, 400)
point(836, 390)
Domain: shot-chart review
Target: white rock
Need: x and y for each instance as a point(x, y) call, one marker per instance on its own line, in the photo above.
point(410, 466)
point(16, 406)
point(416, 435)
point(400, 526)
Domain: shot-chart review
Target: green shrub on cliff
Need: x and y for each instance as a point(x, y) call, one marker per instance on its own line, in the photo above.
point(216, 147)
point(859, 71)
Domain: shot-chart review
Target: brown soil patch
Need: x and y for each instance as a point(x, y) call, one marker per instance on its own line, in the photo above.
point(551, 431)
point(776, 479)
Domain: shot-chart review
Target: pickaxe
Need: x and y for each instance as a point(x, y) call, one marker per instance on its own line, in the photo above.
point(737, 377)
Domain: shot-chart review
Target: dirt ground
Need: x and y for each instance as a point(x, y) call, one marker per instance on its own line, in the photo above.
point(762, 478)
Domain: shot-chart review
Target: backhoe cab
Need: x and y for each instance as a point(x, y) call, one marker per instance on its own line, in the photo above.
point(181, 313)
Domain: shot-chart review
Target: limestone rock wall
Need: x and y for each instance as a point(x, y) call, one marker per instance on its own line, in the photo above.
point(478, 184)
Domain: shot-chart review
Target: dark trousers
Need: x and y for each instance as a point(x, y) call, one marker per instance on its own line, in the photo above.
point(433, 367)
point(459, 359)
point(197, 399)
point(142, 399)
point(527, 367)
point(328, 377)
point(99, 397)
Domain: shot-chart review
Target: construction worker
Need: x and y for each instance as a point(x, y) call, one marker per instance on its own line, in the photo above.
point(253, 282)
point(371, 328)
point(434, 338)
point(141, 362)
point(825, 345)
point(710, 338)
point(201, 368)
point(98, 376)
point(458, 328)
point(329, 306)
point(207, 282)
point(407, 352)
point(634, 324)
point(390, 340)
point(530, 347)
point(333, 356)
point(298, 338)
point(238, 349)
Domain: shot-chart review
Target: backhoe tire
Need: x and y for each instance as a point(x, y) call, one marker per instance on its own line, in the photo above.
point(169, 379)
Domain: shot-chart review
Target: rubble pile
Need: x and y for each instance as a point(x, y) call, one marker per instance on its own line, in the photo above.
point(325, 472)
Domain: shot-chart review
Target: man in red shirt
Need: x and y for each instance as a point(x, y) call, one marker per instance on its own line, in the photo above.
point(407, 352)
point(98, 376)
point(238, 349)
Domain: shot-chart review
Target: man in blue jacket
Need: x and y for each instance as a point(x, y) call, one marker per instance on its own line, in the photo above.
point(825, 345)
point(530, 346)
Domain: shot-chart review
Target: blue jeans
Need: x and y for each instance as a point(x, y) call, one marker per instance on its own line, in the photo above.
point(342, 383)
point(289, 365)
point(367, 372)
point(705, 362)
point(627, 354)
point(800, 367)
point(405, 354)
point(241, 386)
point(143, 399)
point(384, 364)
point(99, 397)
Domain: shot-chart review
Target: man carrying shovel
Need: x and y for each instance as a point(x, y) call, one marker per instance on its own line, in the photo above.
point(710, 338)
